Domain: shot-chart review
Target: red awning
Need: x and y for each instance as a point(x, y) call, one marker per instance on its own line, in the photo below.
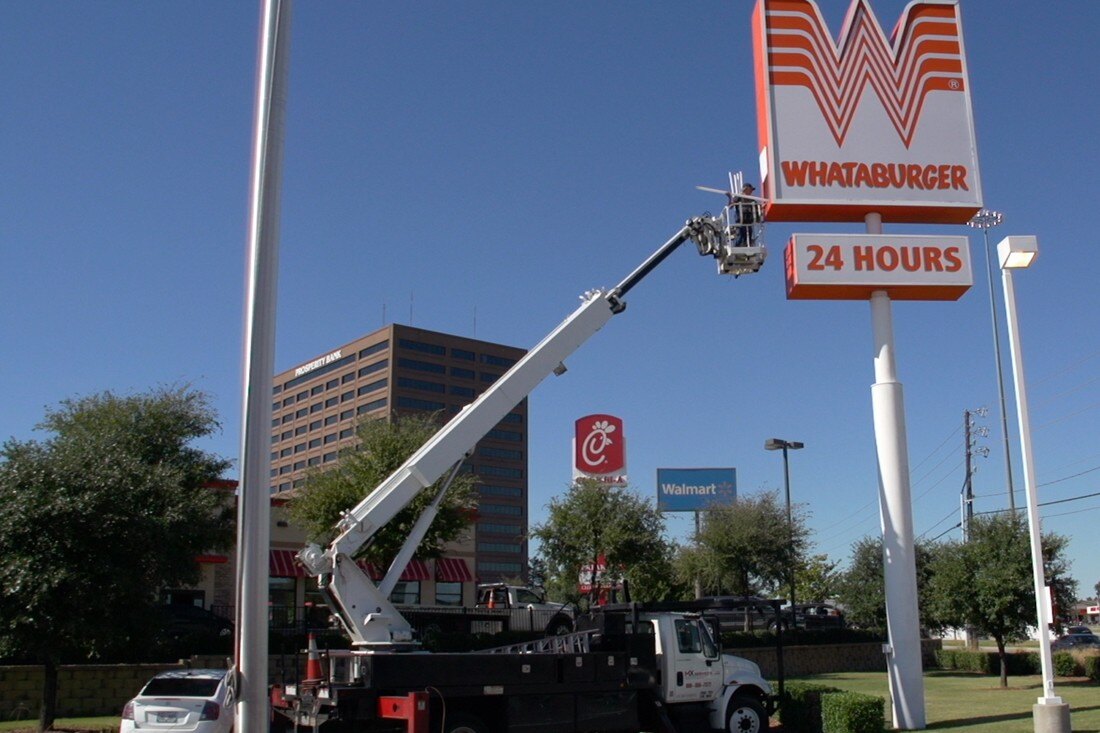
point(282, 564)
point(452, 570)
point(415, 570)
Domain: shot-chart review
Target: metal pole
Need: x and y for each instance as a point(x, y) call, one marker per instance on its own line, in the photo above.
point(985, 220)
point(253, 504)
point(903, 658)
point(1033, 521)
point(790, 529)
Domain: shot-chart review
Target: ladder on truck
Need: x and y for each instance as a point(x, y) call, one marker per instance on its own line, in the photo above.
point(577, 642)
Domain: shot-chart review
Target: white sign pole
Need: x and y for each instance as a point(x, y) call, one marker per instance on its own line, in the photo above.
point(903, 658)
point(253, 500)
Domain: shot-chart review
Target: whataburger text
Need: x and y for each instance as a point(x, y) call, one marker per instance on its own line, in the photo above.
point(853, 174)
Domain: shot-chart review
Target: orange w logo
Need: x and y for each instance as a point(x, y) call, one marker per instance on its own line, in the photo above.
point(924, 55)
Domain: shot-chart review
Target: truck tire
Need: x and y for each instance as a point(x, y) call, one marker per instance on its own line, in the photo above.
point(462, 723)
point(559, 626)
point(746, 715)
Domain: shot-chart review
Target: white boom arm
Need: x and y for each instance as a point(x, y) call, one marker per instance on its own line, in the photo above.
point(363, 608)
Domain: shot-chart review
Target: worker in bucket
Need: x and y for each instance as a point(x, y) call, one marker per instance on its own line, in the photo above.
point(744, 215)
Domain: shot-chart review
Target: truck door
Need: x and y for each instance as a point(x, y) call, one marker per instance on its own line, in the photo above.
point(693, 670)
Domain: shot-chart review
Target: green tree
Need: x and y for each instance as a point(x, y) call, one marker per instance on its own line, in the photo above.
point(591, 522)
point(987, 582)
point(384, 444)
point(744, 548)
point(862, 587)
point(817, 578)
point(98, 519)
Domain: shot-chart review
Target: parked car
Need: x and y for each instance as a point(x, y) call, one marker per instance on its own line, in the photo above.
point(1076, 641)
point(1078, 630)
point(182, 620)
point(182, 701)
point(814, 616)
point(740, 613)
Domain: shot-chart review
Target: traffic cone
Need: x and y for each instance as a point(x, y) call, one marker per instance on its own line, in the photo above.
point(492, 602)
point(313, 662)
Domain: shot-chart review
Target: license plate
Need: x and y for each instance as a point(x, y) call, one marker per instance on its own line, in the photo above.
point(167, 717)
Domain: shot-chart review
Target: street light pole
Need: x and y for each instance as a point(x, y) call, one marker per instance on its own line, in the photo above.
point(1051, 715)
point(985, 220)
point(785, 445)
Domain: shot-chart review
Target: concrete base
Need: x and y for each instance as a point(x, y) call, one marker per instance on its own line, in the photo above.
point(1051, 718)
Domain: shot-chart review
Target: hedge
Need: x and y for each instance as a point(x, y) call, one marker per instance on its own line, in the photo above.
point(1091, 665)
point(800, 708)
point(852, 712)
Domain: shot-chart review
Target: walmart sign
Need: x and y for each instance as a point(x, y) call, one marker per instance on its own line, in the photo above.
point(691, 489)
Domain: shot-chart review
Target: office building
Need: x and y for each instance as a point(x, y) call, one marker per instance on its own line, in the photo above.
point(400, 370)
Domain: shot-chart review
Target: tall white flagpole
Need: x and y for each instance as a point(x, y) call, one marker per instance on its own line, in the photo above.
point(253, 502)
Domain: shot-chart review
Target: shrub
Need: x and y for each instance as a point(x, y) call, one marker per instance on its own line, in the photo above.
point(800, 708)
point(851, 712)
point(1020, 664)
point(1091, 665)
point(946, 659)
point(1065, 665)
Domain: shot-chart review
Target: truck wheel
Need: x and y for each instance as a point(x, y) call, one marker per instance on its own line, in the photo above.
point(464, 724)
point(746, 715)
point(559, 626)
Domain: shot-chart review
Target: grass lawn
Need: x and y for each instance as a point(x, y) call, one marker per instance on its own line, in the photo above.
point(972, 703)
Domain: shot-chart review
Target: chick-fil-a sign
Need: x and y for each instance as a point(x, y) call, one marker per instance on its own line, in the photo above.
point(599, 447)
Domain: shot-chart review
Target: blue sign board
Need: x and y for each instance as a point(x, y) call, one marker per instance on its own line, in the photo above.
point(691, 489)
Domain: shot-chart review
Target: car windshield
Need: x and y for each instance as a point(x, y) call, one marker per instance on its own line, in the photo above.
point(527, 596)
point(181, 687)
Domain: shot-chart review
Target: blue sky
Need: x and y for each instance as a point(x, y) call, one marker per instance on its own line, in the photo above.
point(472, 168)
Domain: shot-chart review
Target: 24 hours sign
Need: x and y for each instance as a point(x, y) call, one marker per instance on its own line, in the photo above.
point(852, 266)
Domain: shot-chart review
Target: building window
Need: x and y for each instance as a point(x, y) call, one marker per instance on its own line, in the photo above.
point(349, 395)
point(504, 529)
point(505, 453)
point(330, 438)
point(406, 592)
point(315, 425)
point(300, 448)
point(500, 471)
point(462, 354)
point(284, 452)
point(347, 433)
point(301, 413)
point(300, 430)
point(299, 465)
point(489, 378)
point(347, 415)
point(499, 567)
point(510, 435)
point(375, 367)
point(317, 390)
point(463, 373)
point(421, 346)
point(330, 420)
point(315, 461)
point(421, 384)
point(367, 407)
point(500, 361)
point(422, 366)
point(316, 408)
point(506, 509)
point(415, 404)
point(315, 443)
point(513, 417)
point(366, 388)
point(498, 547)
point(448, 594)
point(287, 435)
point(513, 491)
point(277, 389)
point(380, 346)
point(332, 384)
point(332, 401)
point(462, 391)
point(329, 457)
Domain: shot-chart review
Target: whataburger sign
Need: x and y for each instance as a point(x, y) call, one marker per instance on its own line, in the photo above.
point(864, 124)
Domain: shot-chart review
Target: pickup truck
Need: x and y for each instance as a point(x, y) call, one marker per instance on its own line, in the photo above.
point(525, 609)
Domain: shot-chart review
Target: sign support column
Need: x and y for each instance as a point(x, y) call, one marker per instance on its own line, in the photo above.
point(903, 653)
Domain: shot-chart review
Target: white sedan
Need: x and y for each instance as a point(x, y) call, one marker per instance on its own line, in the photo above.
point(185, 700)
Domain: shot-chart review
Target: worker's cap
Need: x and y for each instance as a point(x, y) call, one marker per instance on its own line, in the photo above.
point(749, 186)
